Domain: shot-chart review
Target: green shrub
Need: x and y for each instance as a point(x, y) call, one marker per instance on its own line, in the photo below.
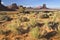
point(34, 32)
point(13, 25)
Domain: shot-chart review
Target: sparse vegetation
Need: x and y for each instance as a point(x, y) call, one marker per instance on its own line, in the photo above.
point(21, 9)
point(24, 19)
point(36, 25)
point(34, 33)
point(53, 25)
point(45, 16)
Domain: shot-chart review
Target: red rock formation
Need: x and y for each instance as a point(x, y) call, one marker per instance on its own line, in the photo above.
point(4, 8)
point(13, 6)
point(44, 7)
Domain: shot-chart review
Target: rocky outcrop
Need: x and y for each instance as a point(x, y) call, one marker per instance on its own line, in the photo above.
point(13, 6)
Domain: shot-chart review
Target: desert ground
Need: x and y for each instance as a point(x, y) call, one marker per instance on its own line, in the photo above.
point(17, 25)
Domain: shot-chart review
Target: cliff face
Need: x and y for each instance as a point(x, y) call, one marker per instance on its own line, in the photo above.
point(4, 8)
point(13, 6)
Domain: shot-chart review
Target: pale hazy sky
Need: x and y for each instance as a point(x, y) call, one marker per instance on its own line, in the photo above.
point(34, 3)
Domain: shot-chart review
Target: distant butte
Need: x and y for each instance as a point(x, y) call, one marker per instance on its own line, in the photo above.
point(44, 7)
point(4, 8)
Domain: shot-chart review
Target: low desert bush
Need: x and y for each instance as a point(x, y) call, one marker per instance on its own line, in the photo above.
point(45, 16)
point(53, 25)
point(34, 32)
point(5, 17)
point(24, 19)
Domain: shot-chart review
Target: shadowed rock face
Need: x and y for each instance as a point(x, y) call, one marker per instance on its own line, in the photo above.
point(4, 8)
point(14, 6)
point(0, 1)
